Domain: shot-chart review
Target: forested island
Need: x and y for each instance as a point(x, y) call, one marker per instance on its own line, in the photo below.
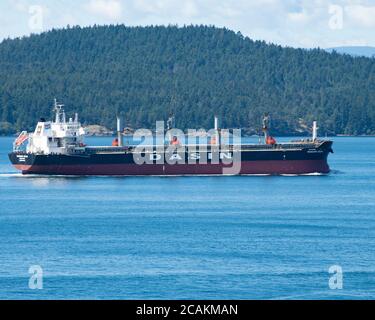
point(145, 74)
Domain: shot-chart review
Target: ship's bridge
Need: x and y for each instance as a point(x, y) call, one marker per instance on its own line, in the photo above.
point(57, 137)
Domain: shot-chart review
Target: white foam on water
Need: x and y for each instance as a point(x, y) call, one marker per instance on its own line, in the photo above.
point(20, 175)
point(28, 176)
point(10, 175)
point(256, 175)
point(314, 174)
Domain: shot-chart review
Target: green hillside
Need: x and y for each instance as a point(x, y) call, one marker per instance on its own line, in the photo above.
point(146, 73)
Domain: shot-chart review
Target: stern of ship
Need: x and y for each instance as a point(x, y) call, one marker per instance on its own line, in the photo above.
point(22, 161)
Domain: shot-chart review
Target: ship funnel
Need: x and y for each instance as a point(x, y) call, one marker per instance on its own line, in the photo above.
point(119, 132)
point(315, 131)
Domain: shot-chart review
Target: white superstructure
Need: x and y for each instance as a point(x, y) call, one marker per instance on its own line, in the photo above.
point(57, 137)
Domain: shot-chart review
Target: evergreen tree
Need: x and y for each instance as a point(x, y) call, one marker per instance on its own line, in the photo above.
point(146, 73)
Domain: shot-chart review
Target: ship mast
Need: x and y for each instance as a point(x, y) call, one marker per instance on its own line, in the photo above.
point(216, 138)
point(170, 126)
point(268, 139)
point(119, 132)
point(266, 126)
point(315, 131)
point(171, 122)
point(60, 113)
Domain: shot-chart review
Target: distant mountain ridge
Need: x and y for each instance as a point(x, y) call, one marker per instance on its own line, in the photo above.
point(359, 51)
point(144, 74)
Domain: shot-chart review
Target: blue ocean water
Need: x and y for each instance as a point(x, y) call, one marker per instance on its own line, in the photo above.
point(191, 237)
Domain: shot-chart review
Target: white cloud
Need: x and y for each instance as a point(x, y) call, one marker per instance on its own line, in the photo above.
point(68, 19)
point(19, 5)
point(111, 9)
point(299, 17)
point(361, 15)
point(190, 9)
point(227, 10)
point(155, 7)
point(298, 23)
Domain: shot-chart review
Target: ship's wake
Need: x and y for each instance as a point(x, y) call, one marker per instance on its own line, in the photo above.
point(318, 174)
point(20, 175)
point(10, 175)
point(28, 176)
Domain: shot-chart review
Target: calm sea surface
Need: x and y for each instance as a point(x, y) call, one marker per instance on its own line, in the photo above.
point(191, 237)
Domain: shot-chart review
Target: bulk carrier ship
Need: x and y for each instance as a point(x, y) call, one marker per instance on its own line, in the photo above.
point(57, 148)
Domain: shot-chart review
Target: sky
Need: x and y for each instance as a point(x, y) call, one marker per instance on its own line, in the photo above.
point(296, 23)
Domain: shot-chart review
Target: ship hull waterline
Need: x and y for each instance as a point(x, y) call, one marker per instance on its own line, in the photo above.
point(247, 168)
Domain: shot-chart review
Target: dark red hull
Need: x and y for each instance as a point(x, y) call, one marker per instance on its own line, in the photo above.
point(249, 167)
point(253, 159)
